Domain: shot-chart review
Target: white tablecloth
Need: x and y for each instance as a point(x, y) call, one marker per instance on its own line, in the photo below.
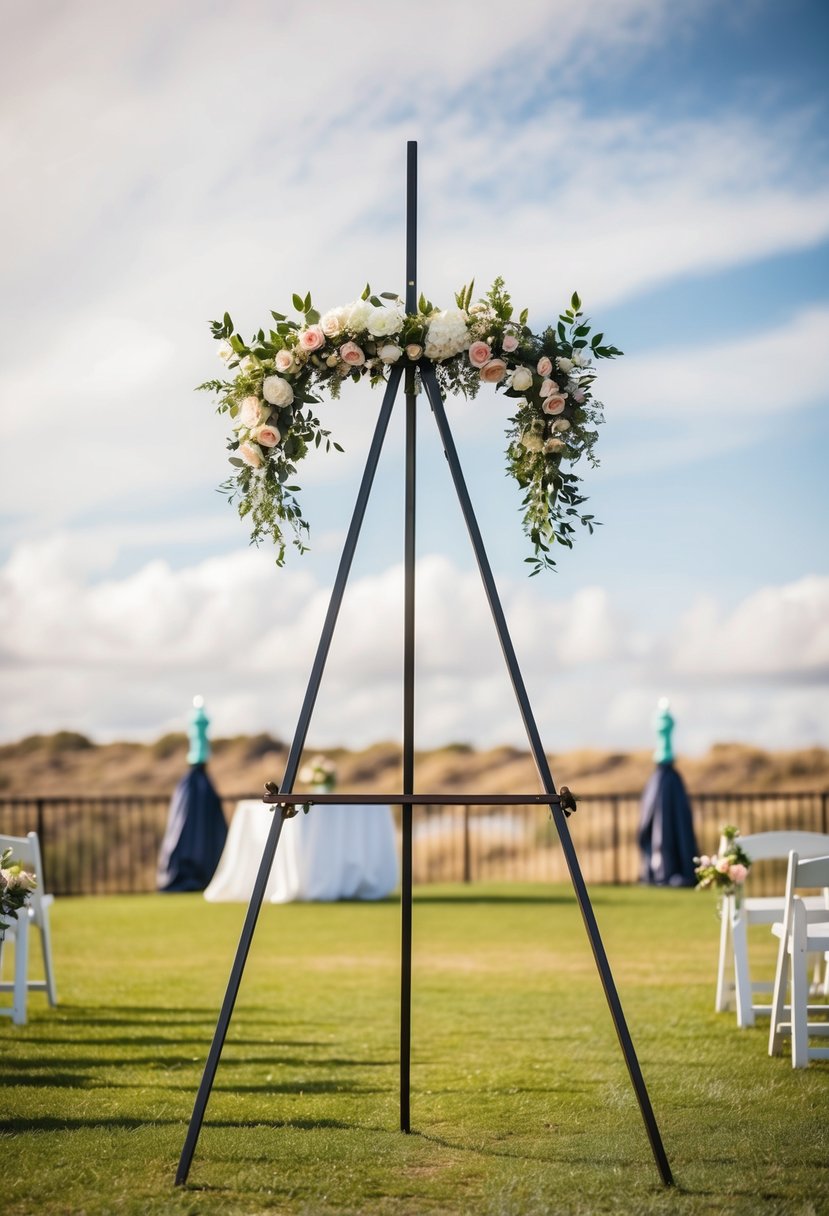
point(333, 852)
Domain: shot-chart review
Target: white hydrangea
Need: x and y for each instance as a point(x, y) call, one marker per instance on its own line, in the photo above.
point(447, 334)
point(356, 315)
point(385, 321)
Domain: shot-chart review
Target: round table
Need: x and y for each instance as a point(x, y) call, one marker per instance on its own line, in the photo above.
point(333, 852)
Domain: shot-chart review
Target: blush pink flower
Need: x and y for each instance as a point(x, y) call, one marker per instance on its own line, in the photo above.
point(250, 413)
point(351, 354)
point(545, 366)
point(284, 361)
point(312, 338)
point(251, 454)
point(548, 387)
point(268, 436)
point(554, 404)
point(738, 872)
point(578, 395)
point(414, 351)
point(479, 354)
point(494, 371)
point(510, 343)
point(723, 865)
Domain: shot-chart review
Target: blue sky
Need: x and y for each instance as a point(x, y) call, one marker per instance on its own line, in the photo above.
point(668, 160)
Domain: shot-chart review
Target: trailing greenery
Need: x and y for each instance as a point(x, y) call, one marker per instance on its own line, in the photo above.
point(521, 1104)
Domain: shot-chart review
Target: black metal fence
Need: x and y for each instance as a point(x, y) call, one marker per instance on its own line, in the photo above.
point(109, 845)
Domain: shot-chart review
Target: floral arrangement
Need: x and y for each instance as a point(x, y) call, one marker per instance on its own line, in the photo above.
point(728, 869)
point(319, 771)
point(278, 375)
point(16, 885)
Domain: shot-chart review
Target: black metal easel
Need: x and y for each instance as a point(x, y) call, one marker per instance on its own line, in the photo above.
point(285, 801)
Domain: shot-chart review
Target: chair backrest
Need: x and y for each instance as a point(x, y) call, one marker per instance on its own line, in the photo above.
point(26, 849)
point(808, 871)
point(770, 846)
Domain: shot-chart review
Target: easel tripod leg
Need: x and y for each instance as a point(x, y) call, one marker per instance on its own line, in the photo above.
point(292, 765)
point(588, 916)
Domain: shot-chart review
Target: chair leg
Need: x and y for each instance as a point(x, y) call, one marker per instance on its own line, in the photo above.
point(721, 999)
point(48, 966)
point(742, 975)
point(21, 970)
point(800, 990)
point(778, 1000)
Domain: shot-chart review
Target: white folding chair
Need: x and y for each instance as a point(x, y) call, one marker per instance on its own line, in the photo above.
point(758, 910)
point(17, 933)
point(26, 849)
point(800, 934)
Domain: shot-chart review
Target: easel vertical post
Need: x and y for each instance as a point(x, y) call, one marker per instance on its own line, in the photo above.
point(408, 658)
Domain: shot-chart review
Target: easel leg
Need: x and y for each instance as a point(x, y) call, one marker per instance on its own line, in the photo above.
point(408, 763)
point(436, 400)
point(291, 767)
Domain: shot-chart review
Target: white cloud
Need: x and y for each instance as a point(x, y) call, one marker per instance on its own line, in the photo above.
point(766, 373)
point(776, 631)
point(124, 655)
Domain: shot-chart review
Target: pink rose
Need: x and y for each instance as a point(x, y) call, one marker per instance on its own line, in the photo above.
point(479, 354)
point(494, 371)
point(738, 872)
point(268, 436)
point(284, 361)
point(548, 387)
point(351, 354)
point(723, 865)
point(312, 338)
point(414, 351)
point(251, 454)
point(510, 343)
point(554, 404)
point(545, 366)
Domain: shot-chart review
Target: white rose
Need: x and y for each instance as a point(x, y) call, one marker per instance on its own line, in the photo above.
point(580, 358)
point(564, 365)
point(333, 322)
point(522, 379)
point(249, 364)
point(385, 321)
point(389, 353)
point(552, 446)
point(277, 391)
point(226, 351)
point(561, 424)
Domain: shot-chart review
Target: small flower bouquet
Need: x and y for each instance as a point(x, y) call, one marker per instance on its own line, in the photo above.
point(728, 869)
point(319, 772)
point(16, 885)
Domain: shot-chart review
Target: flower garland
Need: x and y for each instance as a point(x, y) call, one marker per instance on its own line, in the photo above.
point(549, 376)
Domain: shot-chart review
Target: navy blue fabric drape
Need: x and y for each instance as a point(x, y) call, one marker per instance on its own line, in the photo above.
point(666, 831)
point(195, 835)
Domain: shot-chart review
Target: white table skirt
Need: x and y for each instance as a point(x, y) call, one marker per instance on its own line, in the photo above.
point(334, 852)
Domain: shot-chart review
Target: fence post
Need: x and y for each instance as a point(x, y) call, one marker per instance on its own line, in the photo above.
point(616, 841)
point(824, 811)
point(40, 820)
point(467, 855)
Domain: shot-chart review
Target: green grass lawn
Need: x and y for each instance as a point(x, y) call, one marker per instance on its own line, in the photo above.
point(521, 1102)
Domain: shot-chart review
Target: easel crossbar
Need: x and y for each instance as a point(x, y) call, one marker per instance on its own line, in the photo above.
point(412, 799)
